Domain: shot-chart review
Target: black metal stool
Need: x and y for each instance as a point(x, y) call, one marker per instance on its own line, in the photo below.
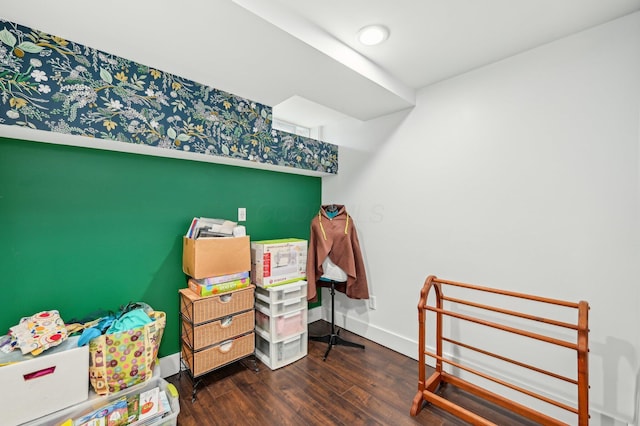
point(333, 338)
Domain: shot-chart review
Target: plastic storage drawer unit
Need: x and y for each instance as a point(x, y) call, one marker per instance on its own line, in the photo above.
point(279, 354)
point(277, 328)
point(280, 293)
point(279, 308)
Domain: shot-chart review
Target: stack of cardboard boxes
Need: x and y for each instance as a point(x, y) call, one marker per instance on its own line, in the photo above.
point(219, 269)
point(216, 265)
point(217, 312)
point(279, 270)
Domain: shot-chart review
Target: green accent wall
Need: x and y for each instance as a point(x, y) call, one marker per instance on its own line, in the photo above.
point(83, 230)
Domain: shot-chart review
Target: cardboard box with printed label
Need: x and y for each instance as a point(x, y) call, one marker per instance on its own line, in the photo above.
point(203, 290)
point(210, 257)
point(276, 262)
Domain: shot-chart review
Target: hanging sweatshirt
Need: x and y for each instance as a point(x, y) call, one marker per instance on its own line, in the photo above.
point(335, 237)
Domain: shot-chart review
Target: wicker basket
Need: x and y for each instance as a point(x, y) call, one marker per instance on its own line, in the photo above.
point(205, 360)
point(199, 336)
point(198, 310)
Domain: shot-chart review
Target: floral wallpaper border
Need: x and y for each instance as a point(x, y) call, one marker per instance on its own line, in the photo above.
point(49, 83)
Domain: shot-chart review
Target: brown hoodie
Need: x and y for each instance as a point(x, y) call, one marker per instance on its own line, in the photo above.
point(337, 238)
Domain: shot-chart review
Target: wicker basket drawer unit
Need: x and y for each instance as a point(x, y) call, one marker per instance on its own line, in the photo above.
point(210, 358)
point(198, 310)
point(212, 332)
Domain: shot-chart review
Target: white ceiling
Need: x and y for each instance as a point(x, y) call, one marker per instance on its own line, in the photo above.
point(301, 56)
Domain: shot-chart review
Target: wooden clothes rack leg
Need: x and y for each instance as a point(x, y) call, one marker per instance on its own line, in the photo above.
point(333, 338)
point(444, 305)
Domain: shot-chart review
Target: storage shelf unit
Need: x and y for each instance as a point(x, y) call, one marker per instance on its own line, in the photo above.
point(216, 330)
point(281, 324)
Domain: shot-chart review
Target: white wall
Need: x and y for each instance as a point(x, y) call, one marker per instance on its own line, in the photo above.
point(521, 175)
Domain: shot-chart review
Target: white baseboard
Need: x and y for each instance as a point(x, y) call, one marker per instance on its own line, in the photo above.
point(170, 365)
point(379, 335)
point(314, 314)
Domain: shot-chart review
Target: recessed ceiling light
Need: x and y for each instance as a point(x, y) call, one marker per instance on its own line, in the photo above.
point(373, 34)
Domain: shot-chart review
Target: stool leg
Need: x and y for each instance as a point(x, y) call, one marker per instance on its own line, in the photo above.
point(334, 339)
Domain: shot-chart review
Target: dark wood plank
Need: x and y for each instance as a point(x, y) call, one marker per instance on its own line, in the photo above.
point(374, 386)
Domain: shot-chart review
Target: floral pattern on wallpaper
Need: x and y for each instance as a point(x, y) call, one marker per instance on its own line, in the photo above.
point(49, 83)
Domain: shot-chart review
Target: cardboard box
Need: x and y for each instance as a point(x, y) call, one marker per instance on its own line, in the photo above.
point(213, 289)
point(33, 387)
point(276, 262)
point(223, 278)
point(210, 257)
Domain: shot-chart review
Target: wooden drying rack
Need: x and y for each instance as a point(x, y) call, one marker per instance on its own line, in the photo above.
point(427, 387)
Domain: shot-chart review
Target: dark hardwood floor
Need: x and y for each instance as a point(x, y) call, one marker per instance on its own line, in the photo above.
point(374, 386)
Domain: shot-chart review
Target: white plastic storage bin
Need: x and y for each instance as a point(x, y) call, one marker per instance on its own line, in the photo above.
point(284, 292)
point(96, 401)
point(279, 354)
point(279, 308)
point(281, 327)
point(34, 386)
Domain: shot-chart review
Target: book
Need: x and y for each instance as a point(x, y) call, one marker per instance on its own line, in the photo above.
point(163, 408)
point(213, 289)
point(192, 228)
point(149, 403)
point(135, 409)
point(223, 278)
point(112, 414)
point(205, 227)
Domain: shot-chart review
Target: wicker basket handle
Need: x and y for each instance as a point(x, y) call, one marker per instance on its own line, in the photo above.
point(225, 346)
point(226, 322)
